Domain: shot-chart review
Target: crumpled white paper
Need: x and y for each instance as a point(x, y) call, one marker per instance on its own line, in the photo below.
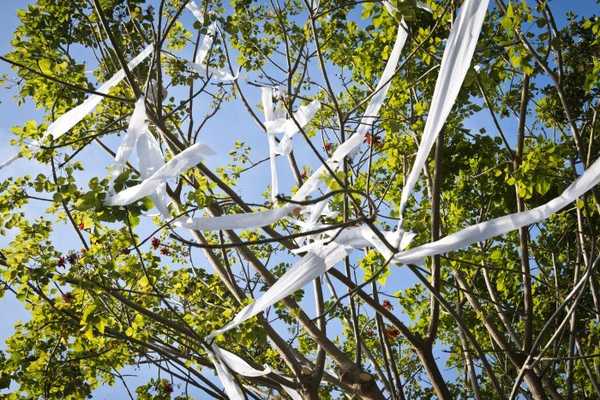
point(498, 226)
point(455, 64)
point(181, 162)
point(150, 161)
point(275, 122)
point(289, 127)
point(309, 267)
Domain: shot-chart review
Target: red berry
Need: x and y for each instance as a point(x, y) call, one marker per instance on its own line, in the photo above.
point(155, 243)
point(81, 226)
point(387, 305)
point(61, 262)
point(328, 146)
point(391, 333)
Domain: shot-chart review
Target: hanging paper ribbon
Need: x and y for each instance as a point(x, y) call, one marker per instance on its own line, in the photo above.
point(66, 121)
point(499, 226)
point(236, 221)
point(334, 162)
point(455, 64)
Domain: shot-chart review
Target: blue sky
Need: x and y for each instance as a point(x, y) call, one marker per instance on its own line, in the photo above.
point(221, 134)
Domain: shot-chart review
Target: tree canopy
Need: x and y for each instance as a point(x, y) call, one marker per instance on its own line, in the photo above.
point(333, 251)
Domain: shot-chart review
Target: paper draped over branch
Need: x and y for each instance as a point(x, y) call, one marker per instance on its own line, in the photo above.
point(361, 237)
point(150, 161)
point(309, 267)
point(455, 64)
point(369, 117)
point(178, 164)
point(236, 221)
point(148, 151)
point(498, 226)
point(230, 385)
point(290, 126)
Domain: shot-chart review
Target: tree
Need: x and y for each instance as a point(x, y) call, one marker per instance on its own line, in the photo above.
point(516, 310)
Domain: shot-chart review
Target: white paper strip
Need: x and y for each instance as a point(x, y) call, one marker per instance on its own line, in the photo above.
point(266, 97)
point(309, 267)
point(369, 117)
point(10, 160)
point(359, 238)
point(138, 124)
point(196, 11)
point(150, 161)
point(230, 385)
point(205, 46)
point(69, 119)
point(181, 162)
point(498, 226)
point(200, 63)
point(290, 127)
point(236, 221)
point(455, 64)
point(237, 364)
